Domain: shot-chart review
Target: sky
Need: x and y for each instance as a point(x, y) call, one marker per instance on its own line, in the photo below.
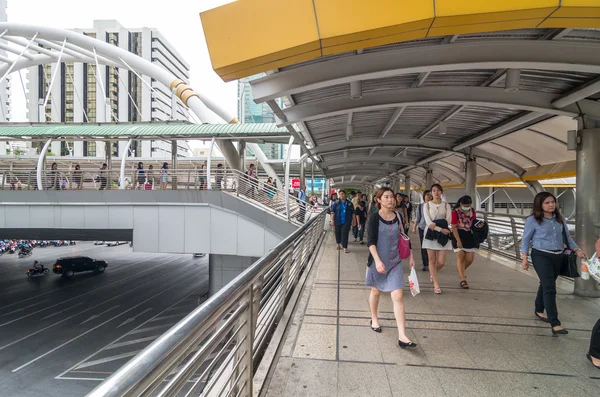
point(177, 20)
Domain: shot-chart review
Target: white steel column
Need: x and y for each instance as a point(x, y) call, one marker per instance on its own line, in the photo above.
point(587, 198)
point(208, 164)
point(428, 179)
point(124, 156)
point(302, 174)
point(41, 164)
point(312, 178)
point(471, 179)
point(262, 159)
point(286, 187)
point(174, 164)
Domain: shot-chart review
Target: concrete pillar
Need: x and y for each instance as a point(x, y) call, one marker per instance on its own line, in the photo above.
point(242, 155)
point(312, 178)
point(108, 154)
point(222, 269)
point(174, 164)
point(230, 153)
point(407, 186)
point(588, 198)
point(302, 174)
point(428, 179)
point(471, 179)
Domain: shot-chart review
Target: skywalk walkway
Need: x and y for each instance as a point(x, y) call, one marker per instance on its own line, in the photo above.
point(484, 341)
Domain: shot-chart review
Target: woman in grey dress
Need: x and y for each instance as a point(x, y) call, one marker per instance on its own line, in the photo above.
point(384, 268)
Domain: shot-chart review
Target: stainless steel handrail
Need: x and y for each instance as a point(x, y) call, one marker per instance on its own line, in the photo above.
point(219, 345)
point(505, 233)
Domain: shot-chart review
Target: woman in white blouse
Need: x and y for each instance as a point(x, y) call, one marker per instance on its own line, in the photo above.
point(434, 210)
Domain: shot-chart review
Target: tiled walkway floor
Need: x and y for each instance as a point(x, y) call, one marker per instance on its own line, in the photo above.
point(483, 341)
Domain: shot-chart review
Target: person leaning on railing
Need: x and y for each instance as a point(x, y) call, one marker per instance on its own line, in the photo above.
point(543, 231)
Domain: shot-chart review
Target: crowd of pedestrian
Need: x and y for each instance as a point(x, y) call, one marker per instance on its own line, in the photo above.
point(441, 228)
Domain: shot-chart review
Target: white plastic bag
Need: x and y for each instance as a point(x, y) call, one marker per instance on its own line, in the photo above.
point(413, 282)
point(594, 267)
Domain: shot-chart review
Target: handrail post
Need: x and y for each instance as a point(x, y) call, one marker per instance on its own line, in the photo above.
point(513, 226)
point(489, 237)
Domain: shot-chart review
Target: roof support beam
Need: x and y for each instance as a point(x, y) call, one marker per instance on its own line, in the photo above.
point(502, 54)
point(392, 121)
point(366, 159)
point(440, 96)
point(379, 143)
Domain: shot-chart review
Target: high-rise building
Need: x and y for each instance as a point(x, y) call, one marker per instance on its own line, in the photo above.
point(5, 99)
point(86, 92)
point(251, 112)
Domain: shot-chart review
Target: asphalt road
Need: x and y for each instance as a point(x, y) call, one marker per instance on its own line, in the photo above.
point(62, 337)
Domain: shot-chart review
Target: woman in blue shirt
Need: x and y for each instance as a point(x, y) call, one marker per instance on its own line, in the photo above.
point(544, 233)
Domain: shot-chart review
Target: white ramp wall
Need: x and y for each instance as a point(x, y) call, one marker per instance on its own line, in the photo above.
point(154, 227)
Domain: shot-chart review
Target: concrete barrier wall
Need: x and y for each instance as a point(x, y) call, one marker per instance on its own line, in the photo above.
point(162, 222)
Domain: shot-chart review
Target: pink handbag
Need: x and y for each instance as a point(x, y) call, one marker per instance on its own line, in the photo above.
point(403, 241)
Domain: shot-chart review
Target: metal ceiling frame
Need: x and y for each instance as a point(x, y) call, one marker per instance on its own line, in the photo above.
point(493, 54)
point(440, 96)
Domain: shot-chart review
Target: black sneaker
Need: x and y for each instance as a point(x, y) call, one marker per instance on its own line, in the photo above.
point(425, 268)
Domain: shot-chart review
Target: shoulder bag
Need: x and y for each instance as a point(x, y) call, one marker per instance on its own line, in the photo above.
point(403, 241)
point(569, 263)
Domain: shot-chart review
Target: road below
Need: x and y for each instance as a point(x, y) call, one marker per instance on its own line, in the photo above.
point(62, 337)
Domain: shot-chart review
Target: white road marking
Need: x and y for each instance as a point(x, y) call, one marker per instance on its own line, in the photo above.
point(64, 310)
point(23, 308)
point(169, 316)
point(87, 293)
point(132, 342)
point(130, 319)
point(98, 315)
point(117, 340)
point(92, 329)
point(70, 317)
point(108, 359)
point(73, 284)
point(139, 331)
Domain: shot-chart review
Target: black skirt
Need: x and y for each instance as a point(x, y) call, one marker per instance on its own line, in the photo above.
point(467, 239)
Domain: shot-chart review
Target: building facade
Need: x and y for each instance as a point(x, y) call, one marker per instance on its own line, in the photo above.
point(90, 93)
point(6, 101)
point(251, 112)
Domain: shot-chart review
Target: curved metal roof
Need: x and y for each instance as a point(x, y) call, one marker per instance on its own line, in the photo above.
point(143, 130)
point(432, 103)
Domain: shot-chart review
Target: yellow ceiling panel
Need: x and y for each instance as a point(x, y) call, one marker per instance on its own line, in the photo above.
point(248, 29)
point(484, 27)
point(468, 12)
point(344, 21)
point(575, 23)
point(578, 9)
point(391, 39)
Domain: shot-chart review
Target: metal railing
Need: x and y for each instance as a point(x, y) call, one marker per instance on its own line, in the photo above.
point(216, 349)
point(236, 182)
point(506, 232)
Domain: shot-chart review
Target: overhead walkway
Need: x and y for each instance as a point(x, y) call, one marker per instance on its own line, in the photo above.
point(484, 341)
point(304, 310)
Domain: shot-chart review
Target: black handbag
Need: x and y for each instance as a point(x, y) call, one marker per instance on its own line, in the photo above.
point(569, 263)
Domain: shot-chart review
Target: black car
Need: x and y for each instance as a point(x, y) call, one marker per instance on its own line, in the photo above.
point(75, 264)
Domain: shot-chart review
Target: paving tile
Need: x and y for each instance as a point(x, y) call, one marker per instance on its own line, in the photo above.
point(359, 344)
point(360, 380)
point(323, 298)
point(353, 299)
point(311, 378)
point(413, 381)
point(316, 341)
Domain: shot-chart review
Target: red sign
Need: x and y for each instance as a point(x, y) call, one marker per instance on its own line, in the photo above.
point(296, 183)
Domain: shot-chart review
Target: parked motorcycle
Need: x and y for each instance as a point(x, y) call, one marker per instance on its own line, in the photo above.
point(25, 252)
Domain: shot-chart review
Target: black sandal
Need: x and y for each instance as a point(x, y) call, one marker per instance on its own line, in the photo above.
point(464, 285)
point(378, 329)
point(589, 357)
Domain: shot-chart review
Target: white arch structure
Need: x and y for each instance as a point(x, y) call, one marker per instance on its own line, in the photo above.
point(70, 46)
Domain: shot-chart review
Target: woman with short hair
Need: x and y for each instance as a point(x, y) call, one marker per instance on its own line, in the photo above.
point(464, 243)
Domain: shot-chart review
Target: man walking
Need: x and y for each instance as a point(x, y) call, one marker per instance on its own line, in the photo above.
point(302, 204)
point(342, 216)
point(360, 214)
